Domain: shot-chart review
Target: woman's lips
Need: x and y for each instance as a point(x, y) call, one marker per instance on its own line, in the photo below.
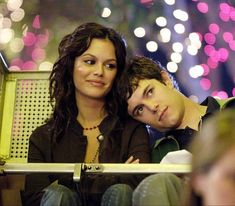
point(96, 83)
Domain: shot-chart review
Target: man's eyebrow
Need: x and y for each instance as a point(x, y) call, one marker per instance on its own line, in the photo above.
point(143, 95)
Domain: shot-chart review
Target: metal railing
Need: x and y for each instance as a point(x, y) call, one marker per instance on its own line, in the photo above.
point(79, 169)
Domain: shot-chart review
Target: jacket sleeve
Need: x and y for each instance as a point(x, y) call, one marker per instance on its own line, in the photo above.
point(135, 142)
point(37, 153)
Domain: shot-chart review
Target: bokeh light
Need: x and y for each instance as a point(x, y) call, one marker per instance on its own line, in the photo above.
point(172, 67)
point(139, 32)
point(201, 42)
point(106, 12)
point(161, 21)
point(152, 46)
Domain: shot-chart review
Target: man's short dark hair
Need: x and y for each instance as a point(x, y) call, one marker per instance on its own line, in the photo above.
point(139, 68)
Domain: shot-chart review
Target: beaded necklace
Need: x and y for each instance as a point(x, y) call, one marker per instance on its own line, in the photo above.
point(90, 128)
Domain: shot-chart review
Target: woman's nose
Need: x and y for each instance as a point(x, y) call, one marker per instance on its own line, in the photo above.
point(99, 70)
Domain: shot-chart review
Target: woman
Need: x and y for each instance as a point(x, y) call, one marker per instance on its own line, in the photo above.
point(213, 166)
point(87, 124)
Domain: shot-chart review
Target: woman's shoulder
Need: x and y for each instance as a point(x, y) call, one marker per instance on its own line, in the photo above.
point(130, 121)
point(42, 132)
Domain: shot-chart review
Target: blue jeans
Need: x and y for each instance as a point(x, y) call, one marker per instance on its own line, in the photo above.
point(60, 195)
point(117, 195)
point(159, 190)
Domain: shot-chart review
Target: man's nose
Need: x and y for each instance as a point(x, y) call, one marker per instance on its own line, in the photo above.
point(152, 106)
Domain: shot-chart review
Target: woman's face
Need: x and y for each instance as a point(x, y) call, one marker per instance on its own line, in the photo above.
point(217, 187)
point(95, 70)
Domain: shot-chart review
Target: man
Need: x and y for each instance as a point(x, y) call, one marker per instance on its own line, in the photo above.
point(153, 98)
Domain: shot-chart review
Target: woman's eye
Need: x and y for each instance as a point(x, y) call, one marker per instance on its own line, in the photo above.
point(90, 62)
point(111, 66)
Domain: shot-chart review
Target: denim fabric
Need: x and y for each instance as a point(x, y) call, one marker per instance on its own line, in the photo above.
point(117, 195)
point(59, 195)
point(159, 190)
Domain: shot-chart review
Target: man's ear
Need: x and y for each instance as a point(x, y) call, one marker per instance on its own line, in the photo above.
point(167, 80)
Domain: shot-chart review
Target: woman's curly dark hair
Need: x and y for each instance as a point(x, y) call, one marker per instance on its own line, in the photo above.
point(62, 89)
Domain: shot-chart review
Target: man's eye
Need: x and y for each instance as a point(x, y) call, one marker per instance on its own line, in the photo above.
point(150, 92)
point(90, 62)
point(111, 66)
point(139, 110)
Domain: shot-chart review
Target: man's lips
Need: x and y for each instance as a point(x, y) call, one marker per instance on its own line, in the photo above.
point(162, 114)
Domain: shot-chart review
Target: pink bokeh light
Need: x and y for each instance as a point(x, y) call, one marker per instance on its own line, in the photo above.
point(208, 49)
point(209, 38)
point(227, 36)
point(38, 54)
point(202, 7)
point(206, 69)
point(211, 63)
point(200, 36)
point(36, 22)
point(224, 16)
point(205, 84)
point(29, 65)
point(215, 56)
point(42, 40)
point(232, 15)
point(232, 45)
point(29, 39)
point(17, 62)
point(225, 8)
point(214, 28)
point(220, 94)
point(233, 91)
point(223, 54)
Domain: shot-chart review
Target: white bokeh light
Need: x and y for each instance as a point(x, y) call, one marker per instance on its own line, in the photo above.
point(196, 71)
point(192, 50)
point(179, 28)
point(180, 14)
point(172, 67)
point(16, 45)
point(176, 57)
point(161, 21)
point(165, 35)
point(6, 35)
point(17, 15)
point(170, 2)
point(106, 12)
point(14, 4)
point(139, 32)
point(45, 66)
point(6, 23)
point(177, 47)
point(152, 46)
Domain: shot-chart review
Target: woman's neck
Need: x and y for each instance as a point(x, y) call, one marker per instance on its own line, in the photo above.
point(90, 111)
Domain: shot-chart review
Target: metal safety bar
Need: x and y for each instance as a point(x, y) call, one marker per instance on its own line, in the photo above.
point(78, 168)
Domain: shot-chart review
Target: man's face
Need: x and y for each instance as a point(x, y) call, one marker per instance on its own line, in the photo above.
point(156, 104)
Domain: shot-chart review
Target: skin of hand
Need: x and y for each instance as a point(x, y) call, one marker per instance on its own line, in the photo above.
point(132, 161)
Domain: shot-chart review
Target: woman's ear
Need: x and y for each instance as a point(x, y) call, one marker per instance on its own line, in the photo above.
point(167, 80)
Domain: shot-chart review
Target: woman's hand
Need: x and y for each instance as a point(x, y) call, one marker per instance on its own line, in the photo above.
point(132, 161)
